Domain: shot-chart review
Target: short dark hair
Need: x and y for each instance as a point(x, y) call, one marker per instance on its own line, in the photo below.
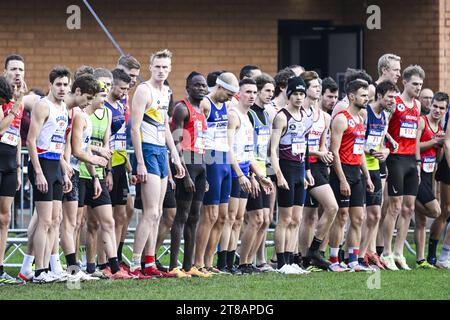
point(102, 73)
point(262, 80)
point(129, 62)
point(212, 77)
point(192, 75)
point(87, 84)
point(246, 71)
point(120, 75)
point(281, 79)
point(58, 72)
point(83, 70)
point(330, 84)
point(413, 70)
point(13, 57)
point(384, 87)
point(38, 91)
point(441, 96)
point(245, 81)
point(6, 92)
point(355, 85)
point(354, 74)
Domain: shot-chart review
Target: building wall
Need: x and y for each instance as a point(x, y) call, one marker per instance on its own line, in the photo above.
point(206, 35)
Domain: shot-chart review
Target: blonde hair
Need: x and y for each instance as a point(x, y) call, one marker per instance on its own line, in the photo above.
point(164, 53)
point(385, 61)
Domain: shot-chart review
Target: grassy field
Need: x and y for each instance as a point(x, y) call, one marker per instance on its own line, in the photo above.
point(416, 284)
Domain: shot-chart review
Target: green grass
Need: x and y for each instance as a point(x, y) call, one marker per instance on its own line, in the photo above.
point(416, 284)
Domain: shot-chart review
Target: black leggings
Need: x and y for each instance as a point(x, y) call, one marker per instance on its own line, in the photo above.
point(187, 216)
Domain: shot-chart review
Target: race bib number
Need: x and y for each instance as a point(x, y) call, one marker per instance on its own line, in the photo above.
point(220, 136)
point(298, 145)
point(120, 141)
point(408, 130)
point(11, 137)
point(428, 164)
point(262, 145)
point(314, 144)
point(358, 147)
point(373, 140)
point(199, 144)
point(57, 144)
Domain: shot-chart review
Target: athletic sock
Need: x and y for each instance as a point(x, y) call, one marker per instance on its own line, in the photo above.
point(445, 253)
point(230, 258)
point(334, 255)
point(222, 259)
point(114, 265)
point(280, 260)
point(136, 262)
point(27, 264)
point(236, 260)
point(315, 245)
point(322, 253)
point(38, 272)
point(1, 270)
point(286, 257)
point(142, 265)
point(291, 257)
point(119, 251)
point(90, 267)
point(71, 259)
point(297, 258)
point(353, 253)
point(341, 254)
point(149, 261)
point(380, 250)
point(361, 260)
point(432, 246)
point(102, 266)
point(55, 264)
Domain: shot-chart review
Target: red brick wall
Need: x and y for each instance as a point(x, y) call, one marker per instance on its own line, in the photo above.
point(207, 35)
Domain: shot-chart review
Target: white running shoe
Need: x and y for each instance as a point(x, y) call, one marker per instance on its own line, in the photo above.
point(389, 262)
point(443, 264)
point(299, 269)
point(58, 276)
point(43, 278)
point(87, 277)
point(401, 262)
point(287, 269)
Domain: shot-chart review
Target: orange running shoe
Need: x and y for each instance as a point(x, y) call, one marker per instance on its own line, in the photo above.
point(373, 258)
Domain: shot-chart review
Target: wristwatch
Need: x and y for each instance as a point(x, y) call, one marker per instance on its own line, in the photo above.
point(95, 176)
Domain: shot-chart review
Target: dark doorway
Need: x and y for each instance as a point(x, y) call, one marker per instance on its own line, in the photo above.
point(318, 45)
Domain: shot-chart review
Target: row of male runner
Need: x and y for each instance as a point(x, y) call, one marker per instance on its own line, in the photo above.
point(297, 141)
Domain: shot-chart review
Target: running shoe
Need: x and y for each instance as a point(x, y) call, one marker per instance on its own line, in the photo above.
point(432, 260)
point(154, 272)
point(87, 277)
point(120, 275)
point(137, 274)
point(107, 272)
point(43, 278)
point(443, 264)
point(26, 277)
point(254, 268)
point(265, 268)
point(361, 268)
point(374, 259)
point(400, 261)
point(98, 274)
point(389, 262)
point(7, 279)
point(312, 268)
point(315, 259)
point(198, 272)
point(124, 267)
point(244, 269)
point(59, 276)
point(424, 265)
point(336, 267)
point(343, 265)
point(288, 269)
point(160, 267)
point(179, 273)
point(216, 271)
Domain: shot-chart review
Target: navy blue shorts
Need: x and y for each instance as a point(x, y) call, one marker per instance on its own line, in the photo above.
point(218, 175)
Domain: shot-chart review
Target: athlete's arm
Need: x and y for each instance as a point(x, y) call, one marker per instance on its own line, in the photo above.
point(180, 171)
point(447, 145)
point(78, 126)
point(38, 117)
point(338, 127)
point(278, 128)
point(19, 164)
point(205, 107)
point(29, 101)
point(327, 156)
point(425, 144)
point(140, 99)
point(180, 116)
